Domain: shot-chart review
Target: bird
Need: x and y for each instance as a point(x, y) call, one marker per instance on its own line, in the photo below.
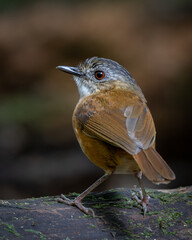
point(114, 127)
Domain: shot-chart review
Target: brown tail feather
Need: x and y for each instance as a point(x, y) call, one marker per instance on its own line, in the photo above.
point(153, 166)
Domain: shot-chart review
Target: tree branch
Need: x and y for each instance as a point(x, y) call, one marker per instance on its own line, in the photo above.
point(118, 216)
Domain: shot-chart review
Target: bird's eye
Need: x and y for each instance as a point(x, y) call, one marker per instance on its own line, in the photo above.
point(99, 75)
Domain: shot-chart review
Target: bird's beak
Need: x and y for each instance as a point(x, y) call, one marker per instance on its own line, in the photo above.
point(71, 70)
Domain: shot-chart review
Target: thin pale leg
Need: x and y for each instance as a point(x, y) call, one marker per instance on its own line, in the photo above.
point(143, 198)
point(77, 201)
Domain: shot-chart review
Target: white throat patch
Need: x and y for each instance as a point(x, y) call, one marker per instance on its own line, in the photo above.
point(84, 91)
point(82, 88)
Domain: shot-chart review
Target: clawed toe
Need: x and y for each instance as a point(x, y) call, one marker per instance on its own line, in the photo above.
point(143, 201)
point(76, 202)
point(63, 199)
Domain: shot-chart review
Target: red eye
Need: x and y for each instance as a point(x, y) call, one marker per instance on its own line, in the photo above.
point(99, 75)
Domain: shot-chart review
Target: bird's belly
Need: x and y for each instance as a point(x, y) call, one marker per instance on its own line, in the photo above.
point(106, 156)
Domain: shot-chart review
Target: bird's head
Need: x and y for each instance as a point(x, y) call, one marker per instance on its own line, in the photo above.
point(95, 74)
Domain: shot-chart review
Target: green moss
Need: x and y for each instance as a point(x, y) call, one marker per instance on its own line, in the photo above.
point(48, 202)
point(22, 205)
point(146, 234)
point(3, 238)
point(101, 205)
point(117, 197)
point(46, 198)
point(139, 224)
point(73, 194)
point(24, 218)
point(168, 219)
point(122, 205)
point(170, 198)
point(32, 199)
point(41, 235)
point(189, 221)
point(92, 225)
point(115, 201)
point(86, 216)
point(151, 213)
point(112, 190)
point(10, 228)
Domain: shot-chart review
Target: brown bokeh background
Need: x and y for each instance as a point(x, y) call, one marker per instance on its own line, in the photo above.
point(39, 154)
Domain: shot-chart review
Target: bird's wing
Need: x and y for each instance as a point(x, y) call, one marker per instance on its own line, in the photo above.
point(123, 121)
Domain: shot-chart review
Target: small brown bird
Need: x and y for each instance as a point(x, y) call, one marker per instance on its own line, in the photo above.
point(114, 126)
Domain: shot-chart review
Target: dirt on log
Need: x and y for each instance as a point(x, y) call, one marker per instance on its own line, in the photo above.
point(118, 216)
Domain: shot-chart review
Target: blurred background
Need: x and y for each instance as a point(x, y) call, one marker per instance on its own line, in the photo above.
point(39, 154)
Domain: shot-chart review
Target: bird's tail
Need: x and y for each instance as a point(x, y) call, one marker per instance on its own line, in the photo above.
point(153, 166)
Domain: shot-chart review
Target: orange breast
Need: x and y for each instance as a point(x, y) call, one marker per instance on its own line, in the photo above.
point(102, 154)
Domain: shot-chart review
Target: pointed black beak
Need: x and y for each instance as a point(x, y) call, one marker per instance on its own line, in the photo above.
point(71, 70)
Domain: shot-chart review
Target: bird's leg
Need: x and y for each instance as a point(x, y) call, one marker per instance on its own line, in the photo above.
point(143, 199)
point(77, 201)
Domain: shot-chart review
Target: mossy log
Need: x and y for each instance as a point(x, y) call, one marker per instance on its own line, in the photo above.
point(118, 216)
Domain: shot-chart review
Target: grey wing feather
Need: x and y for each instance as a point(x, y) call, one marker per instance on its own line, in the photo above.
point(140, 126)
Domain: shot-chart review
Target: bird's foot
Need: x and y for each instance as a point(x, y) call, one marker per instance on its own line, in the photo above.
point(76, 202)
point(143, 201)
